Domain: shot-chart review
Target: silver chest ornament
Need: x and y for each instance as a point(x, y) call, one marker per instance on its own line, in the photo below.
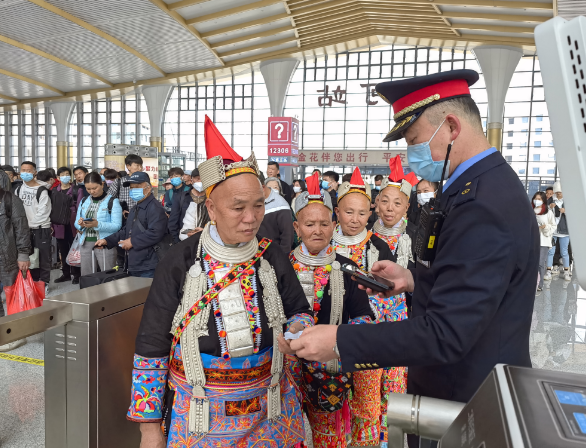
point(195, 270)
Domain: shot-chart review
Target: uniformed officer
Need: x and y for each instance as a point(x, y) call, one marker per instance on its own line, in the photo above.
point(472, 305)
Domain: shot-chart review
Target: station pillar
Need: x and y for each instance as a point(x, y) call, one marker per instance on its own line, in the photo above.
point(498, 63)
point(62, 114)
point(156, 99)
point(277, 74)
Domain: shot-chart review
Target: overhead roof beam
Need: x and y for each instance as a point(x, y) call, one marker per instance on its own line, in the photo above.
point(49, 7)
point(498, 28)
point(244, 25)
point(185, 3)
point(8, 98)
point(237, 40)
point(273, 43)
point(455, 15)
point(181, 21)
point(305, 28)
point(487, 3)
point(30, 81)
point(38, 52)
point(232, 11)
point(465, 37)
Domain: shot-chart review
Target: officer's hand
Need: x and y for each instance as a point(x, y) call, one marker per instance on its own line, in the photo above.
point(316, 343)
point(392, 272)
point(562, 210)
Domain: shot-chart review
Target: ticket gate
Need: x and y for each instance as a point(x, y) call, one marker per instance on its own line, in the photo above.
point(89, 349)
point(515, 407)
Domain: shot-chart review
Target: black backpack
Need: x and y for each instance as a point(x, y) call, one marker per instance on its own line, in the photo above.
point(60, 204)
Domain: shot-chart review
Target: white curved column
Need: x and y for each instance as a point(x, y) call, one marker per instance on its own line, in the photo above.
point(156, 98)
point(62, 114)
point(498, 63)
point(277, 74)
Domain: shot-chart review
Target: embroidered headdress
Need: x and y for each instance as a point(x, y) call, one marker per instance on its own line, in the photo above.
point(398, 179)
point(356, 185)
point(313, 195)
point(222, 161)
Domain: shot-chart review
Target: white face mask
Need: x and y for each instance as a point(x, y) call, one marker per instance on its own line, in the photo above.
point(198, 186)
point(423, 198)
point(297, 189)
point(537, 202)
point(276, 190)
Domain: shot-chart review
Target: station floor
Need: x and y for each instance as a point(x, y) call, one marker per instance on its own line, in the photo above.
point(557, 342)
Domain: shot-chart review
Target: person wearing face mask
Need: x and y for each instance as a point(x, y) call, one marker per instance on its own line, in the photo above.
point(329, 183)
point(352, 240)
point(547, 226)
point(273, 170)
point(98, 216)
point(299, 186)
point(373, 203)
point(65, 234)
point(14, 180)
point(176, 175)
point(145, 228)
point(561, 234)
point(194, 213)
point(278, 220)
point(37, 205)
point(472, 303)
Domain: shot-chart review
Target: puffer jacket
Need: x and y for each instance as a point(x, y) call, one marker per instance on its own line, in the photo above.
point(14, 233)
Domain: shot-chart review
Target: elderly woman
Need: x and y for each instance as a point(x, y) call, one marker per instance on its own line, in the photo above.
point(278, 221)
point(226, 295)
point(274, 184)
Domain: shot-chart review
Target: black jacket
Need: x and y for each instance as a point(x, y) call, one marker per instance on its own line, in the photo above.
point(178, 209)
point(563, 224)
point(174, 193)
point(287, 191)
point(142, 256)
point(472, 308)
point(277, 224)
point(154, 339)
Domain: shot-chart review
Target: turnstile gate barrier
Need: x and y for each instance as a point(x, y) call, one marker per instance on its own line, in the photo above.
point(89, 348)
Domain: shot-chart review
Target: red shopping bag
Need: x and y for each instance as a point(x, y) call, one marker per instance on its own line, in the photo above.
point(25, 294)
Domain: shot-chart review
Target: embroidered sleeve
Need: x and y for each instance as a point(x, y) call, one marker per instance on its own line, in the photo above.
point(304, 319)
point(361, 320)
point(149, 378)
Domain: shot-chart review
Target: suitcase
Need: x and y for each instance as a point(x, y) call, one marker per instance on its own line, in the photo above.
point(97, 278)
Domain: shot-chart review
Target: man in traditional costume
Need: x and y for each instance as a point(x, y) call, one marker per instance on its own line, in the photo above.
point(393, 202)
point(351, 239)
point(336, 300)
point(208, 371)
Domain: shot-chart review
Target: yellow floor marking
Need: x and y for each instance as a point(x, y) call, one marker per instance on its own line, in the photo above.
point(33, 361)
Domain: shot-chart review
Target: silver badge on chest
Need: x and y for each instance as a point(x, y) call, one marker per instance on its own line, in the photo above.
point(195, 270)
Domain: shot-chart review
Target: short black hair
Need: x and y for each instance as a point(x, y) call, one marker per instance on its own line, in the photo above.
point(45, 176)
point(261, 177)
point(175, 170)
point(378, 177)
point(63, 169)
point(272, 162)
point(346, 177)
point(122, 173)
point(28, 162)
point(132, 158)
point(7, 169)
point(317, 171)
point(52, 171)
point(92, 178)
point(549, 188)
point(80, 167)
point(110, 174)
point(302, 184)
point(333, 175)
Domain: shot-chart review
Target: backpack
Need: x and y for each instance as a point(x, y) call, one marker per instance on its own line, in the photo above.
point(110, 203)
point(60, 204)
point(163, 246)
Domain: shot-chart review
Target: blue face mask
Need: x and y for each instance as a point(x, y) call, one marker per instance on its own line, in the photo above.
point(325, 184)
point(65, 179)
point(421, 162)
point(103, 178)
point(176, 181)
point(27, 177)
point(136, 194)
point(377, 187)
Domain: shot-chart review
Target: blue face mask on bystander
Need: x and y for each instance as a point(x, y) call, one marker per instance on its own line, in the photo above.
point(136, 194)
point(65, 179)
point(176, 181)
point(325, 184)
point(27, 177)
point(421, 162)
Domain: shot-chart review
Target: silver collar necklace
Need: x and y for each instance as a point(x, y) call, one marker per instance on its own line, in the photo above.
point(225, 254)
point(313, 260)
point(381, 229)
point(340, 238)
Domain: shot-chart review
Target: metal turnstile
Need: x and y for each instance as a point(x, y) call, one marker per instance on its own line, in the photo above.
point(515, 407)
point(89, 348)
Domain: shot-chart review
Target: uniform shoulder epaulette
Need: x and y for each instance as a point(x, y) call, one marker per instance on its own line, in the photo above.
point(467, 193)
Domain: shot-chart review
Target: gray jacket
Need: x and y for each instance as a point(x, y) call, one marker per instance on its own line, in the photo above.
point(14, 233)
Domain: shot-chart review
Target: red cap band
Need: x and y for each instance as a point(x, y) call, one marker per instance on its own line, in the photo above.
point(445, 90)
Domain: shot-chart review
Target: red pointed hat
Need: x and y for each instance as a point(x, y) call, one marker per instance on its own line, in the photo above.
point(398, 179)
point(356, 185)
point(313, 195)
point(222, 161)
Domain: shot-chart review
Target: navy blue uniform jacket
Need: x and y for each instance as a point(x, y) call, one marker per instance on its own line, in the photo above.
point(151, 214)
point(472, 308)
point(178, 210)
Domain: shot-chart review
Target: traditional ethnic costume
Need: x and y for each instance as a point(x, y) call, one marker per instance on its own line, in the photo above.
point(365, 249)
point(394, 379)
point(207, 363)
point(336, 300)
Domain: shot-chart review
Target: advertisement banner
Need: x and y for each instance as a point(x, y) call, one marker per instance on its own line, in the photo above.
point(354, 158)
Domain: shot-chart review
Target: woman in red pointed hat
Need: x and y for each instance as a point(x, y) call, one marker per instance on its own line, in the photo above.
point(208, 368)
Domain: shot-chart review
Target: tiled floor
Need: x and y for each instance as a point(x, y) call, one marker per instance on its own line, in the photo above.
point(557, 343)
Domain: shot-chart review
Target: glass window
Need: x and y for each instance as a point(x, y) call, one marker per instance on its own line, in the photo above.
point(509, 158)
point(521, 171)
point(509, 146)
point(538, 131)
point(511, 121)
point(536, 157)
point(539, 118)
point(535, 170)
point(537, 144)
point(525, 119)
point(510, 133)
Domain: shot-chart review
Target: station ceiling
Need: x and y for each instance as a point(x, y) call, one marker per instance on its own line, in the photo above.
point(81, 49)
